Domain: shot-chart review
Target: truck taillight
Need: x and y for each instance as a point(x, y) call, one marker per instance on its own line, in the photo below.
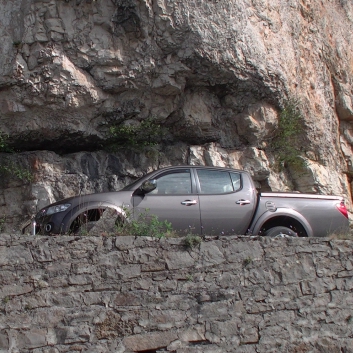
point(342, 208)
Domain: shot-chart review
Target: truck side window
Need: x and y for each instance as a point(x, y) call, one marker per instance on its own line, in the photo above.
point(174, 183)
point(236, 180)
point(217, 182)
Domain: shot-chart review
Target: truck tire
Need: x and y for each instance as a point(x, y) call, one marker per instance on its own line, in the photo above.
point(280, 232)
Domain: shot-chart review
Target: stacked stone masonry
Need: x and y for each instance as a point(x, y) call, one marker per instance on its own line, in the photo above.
point(127, 294)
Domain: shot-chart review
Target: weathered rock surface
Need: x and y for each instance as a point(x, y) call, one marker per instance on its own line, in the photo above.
point(127, 294)
point(214, 74)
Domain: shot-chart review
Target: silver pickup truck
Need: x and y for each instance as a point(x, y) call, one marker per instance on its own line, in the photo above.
point(208, 200)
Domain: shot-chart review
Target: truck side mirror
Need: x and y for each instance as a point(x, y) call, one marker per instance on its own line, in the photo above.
point(148, 185)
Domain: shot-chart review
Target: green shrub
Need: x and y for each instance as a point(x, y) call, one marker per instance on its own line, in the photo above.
point(4, 147)
point(147, 133)
point(145, 225)
point(191, 240)
point(9, 168)
point(287, 143)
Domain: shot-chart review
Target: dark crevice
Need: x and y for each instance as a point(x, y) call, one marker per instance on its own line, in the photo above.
point(199, 343)
point(71, 143)
point(160, 349)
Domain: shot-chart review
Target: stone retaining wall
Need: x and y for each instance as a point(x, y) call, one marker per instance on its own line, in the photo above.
point(127, 294)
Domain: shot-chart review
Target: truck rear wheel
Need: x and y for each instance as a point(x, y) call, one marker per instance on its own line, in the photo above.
point(280, 232)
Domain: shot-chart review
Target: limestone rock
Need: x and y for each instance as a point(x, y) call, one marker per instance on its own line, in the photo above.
point(215, 76)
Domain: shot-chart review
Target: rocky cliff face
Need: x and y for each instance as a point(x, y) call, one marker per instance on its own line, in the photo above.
point(214, 74)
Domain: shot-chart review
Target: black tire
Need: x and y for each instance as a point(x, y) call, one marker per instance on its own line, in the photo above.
point(280, 232)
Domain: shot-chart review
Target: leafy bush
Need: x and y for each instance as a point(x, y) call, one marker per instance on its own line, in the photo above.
point(9, 168)
point(4, 147)
point(191, 240)
point(145, 134)
point(287, 144)
point(145, 225)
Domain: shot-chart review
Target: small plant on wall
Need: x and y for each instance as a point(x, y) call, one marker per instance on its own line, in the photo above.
point(2, 223)
point(287, 143)
point(191, 241)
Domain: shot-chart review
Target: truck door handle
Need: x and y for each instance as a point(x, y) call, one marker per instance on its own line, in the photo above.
point(189, 202)
point(242, 202)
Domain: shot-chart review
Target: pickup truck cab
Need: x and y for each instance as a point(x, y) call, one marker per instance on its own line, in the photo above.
point(208, 200)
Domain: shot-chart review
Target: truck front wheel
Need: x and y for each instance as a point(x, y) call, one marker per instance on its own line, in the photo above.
point(280, 232)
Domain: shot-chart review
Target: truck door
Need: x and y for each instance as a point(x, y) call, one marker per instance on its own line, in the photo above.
point(174, 199)
point(227, 202)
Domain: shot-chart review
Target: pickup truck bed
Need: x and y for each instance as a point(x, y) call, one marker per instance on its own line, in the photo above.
point(307, 214)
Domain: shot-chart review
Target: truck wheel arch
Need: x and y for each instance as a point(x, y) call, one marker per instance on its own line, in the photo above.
point(92, 213)
point(285, 218)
